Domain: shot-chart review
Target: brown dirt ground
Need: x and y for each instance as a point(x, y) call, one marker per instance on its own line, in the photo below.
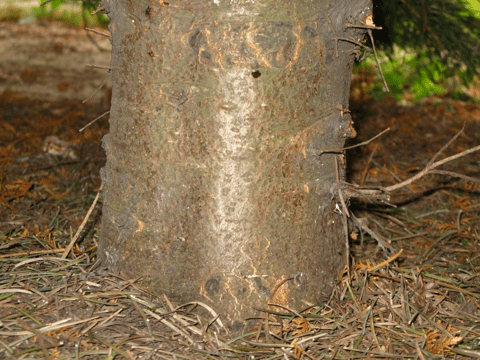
point(43, 81)
point(44, 197)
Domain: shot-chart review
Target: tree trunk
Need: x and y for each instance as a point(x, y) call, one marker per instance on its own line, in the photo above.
point(214, 190)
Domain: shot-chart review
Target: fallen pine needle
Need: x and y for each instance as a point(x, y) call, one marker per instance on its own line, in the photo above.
point(383, 263)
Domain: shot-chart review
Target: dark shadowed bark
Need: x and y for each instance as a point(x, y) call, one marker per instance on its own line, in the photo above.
point(213, 187)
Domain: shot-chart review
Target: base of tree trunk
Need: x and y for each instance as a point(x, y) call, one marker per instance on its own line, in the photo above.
point(214, 187)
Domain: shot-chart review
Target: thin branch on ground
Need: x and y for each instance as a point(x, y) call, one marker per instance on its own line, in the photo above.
point(381, 192)
point(430, 166)
point(84, 222)
point(457, 175)
point(445, 147)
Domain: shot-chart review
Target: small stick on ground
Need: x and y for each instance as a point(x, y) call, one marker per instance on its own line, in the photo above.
point(432, 164)
point(457, 175)
point(28, 253)
point(77, 234)
point(361, 192)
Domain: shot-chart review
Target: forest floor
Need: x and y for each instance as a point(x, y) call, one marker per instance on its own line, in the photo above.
point(420, 301)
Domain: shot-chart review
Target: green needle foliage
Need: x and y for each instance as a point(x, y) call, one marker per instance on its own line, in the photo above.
point(90, 4)
point(440, 37)
point(87, 4)
point(87, 7)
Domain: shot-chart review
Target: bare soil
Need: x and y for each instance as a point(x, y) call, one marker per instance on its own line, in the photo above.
point(43, 83)
point(47, 61)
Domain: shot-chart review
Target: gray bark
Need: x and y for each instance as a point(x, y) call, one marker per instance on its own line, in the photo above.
point(213, 187)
